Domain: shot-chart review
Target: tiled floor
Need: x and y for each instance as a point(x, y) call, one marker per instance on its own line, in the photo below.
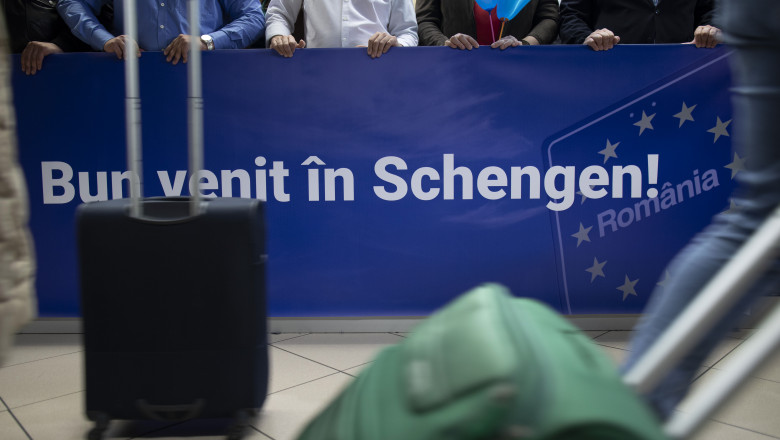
point(42, 389)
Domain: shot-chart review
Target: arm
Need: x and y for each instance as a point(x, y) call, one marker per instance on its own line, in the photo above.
point(280, 18)
point(545, 24)
point(575, 19)
point(403, 23)
point(247, 26)
point(237, 34)
point(65, 39)
point(429, 21)
point(401, 29)
point(62, 40)
point(81, 19)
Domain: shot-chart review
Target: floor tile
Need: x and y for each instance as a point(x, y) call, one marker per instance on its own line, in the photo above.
point(255, 435)
point(754, 407)
point(720, 431)
point(61, 418)
point(593, 333)
point(340, 350)
point(615, 339)
point(9, 429)
point(201, 429)
point(276, 337)
point(722, 350)
point(617, 355)
point(285, 413)
point(700, 372)
point(30, 347)
point(741, 333)
point(288, 370)
point(44, 388)
point(355, 371)
point(622, 340)
point(31, 382)
point(770, 370)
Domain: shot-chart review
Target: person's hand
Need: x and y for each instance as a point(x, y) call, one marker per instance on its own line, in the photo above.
point(602, 39)
point(33, 53)
point(380, 43)
point(285, 45)
point(179, 48)
point(706, 36)
point(462, 41)
point(508, 41)
point(118, 45)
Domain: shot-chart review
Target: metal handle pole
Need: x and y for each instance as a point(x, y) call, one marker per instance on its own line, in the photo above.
point(195, 105)
point(133, 109)
point(719, 295)
point(751, 356)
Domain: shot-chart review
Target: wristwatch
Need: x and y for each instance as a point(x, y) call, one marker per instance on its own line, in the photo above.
point(208, 41)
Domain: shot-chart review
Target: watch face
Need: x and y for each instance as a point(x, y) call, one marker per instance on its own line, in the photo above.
point(208, 41)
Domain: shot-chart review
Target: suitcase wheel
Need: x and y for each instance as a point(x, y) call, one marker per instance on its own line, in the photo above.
point(240, 424)
point(101, 425)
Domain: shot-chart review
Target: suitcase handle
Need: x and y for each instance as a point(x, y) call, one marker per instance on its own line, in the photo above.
point(133, 106)
point(171, 413)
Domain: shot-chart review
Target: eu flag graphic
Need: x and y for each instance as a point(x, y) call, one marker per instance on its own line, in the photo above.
point(613, 249)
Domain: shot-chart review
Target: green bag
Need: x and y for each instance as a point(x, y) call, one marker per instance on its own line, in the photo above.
point(488, 366)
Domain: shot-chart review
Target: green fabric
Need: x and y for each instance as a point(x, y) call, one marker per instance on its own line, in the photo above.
point(488, 366)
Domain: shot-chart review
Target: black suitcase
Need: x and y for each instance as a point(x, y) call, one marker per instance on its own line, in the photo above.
point(172, 289)
point(173, 310)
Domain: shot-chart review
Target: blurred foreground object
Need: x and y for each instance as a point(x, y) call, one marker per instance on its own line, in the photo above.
point(17, 262)
point(172, 288)
point(488, 366)
point(752, 28)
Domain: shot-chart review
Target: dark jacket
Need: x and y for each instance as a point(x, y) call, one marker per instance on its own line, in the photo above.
point(634, 21)
point(38, 20)
point(438, 20)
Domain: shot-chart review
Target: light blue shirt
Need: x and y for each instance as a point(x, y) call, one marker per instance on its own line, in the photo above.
point(160, 21)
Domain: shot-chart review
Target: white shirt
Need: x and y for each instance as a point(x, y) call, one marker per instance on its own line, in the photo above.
point(343, 23)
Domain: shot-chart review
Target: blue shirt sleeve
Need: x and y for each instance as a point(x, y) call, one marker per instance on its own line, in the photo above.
point(80, 17)
point(247, 26)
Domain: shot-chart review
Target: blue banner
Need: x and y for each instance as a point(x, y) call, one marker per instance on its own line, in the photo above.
point(395, 184)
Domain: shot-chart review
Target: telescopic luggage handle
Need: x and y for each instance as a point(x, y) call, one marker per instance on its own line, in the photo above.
point(719, 295)
point(133, 106)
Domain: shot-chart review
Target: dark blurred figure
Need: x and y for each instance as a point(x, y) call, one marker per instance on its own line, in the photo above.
point(462, 24)
point(752, 28)
point(601, 24)
point(36, 30)
point(17, 261)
